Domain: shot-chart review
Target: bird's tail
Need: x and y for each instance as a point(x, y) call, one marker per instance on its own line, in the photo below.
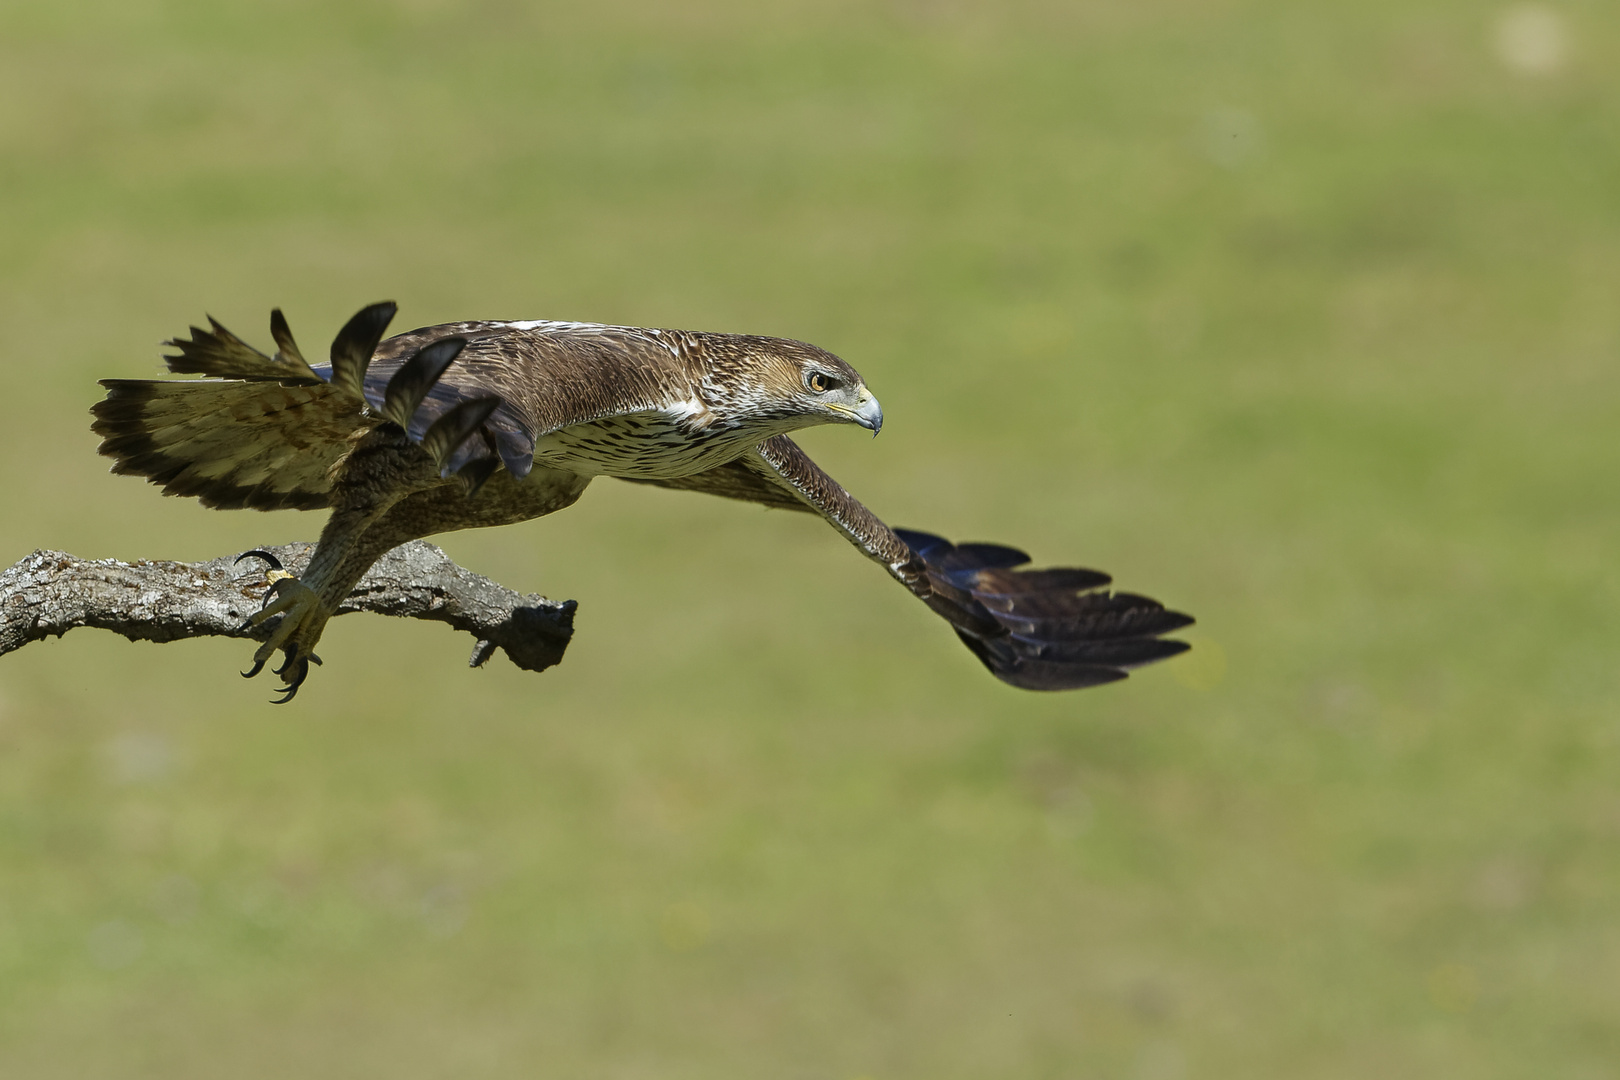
point(232, 444)
point(259, 432)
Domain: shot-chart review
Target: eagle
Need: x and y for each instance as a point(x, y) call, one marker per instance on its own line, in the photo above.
point(472, 424)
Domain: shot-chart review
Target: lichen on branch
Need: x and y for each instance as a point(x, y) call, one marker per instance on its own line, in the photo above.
point(49, 593)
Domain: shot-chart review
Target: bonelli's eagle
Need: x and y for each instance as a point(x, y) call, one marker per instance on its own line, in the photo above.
point(470, 424)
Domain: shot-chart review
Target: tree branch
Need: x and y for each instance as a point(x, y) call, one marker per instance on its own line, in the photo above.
point(51, 592)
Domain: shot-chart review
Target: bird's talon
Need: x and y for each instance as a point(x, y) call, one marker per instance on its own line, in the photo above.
point(302, 617)
point(257, 553)
point(293, 673)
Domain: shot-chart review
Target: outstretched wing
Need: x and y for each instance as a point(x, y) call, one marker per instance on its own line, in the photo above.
point(1053, 629)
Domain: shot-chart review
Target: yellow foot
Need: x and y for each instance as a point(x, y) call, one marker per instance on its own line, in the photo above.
point(303, 617)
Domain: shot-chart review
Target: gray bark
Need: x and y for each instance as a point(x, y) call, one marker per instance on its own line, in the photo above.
point(51, 592)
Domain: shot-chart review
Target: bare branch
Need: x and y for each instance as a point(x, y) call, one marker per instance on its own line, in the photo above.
point(51, 592)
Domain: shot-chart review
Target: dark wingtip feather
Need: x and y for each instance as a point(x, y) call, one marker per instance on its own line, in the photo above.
point(355, 343)
point(1040, 629)
point(1033, 673)
point(979, 556)
point(474, 474)
point(1012, 584)
point(516, 448)
point(922, 544)
point(1120, 652)
point(468, 431)
point(1040, 675)
point(454, 427)
point(416, 377)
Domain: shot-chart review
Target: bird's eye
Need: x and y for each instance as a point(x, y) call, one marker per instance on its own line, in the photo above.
point(820, 382)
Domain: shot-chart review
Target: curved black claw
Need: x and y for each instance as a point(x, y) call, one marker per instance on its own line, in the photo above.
point(258, 665)
point(257, 553)
point(293, 673)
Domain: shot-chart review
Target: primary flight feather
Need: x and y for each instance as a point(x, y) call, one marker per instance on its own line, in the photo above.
point(470, 424)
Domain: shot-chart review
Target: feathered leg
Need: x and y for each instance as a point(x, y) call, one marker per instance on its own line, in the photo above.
point(385, 466)
point(360, 533)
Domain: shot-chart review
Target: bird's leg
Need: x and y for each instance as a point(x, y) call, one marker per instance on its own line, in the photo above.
point(305, 603)
point(275, 602)
point(381, 470)
point(371, 517)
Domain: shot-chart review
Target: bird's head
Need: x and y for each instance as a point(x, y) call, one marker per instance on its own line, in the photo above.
point(796, 385)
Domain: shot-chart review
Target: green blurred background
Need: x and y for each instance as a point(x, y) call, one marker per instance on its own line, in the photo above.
point(1299, 316)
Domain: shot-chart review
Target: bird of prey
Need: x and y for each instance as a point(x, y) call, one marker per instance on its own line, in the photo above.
point(470, 424)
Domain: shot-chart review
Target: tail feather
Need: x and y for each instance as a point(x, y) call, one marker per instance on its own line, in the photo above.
point(264, 445)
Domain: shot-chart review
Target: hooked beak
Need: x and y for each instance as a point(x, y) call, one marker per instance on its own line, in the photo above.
point(868, 413)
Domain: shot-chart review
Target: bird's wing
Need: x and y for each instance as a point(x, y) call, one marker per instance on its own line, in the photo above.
point(1054, 629)
point(268, 432)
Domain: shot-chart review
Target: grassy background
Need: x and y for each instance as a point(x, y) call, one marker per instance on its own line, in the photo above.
point(1300, 316)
